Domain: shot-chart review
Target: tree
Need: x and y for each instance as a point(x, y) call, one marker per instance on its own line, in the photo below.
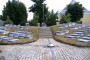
point(4, 16)
point(51, 18)
point(40, 9)
point(65, 18)
point(76, 11)
point(1, 17)
point(16, 11)
point(34, 21)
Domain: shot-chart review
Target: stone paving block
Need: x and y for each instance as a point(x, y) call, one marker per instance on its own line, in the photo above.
point(37, 51)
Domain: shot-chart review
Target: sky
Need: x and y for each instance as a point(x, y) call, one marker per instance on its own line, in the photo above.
point(56, 5)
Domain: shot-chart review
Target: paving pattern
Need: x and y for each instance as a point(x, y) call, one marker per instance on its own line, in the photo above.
point(39, 51)
point(32, 51)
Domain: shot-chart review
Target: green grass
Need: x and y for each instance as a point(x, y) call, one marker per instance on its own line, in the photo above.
point(68, 40)
point(35, 33)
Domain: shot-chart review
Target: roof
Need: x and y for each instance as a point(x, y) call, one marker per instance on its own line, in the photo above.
point(86, 11)
point(72, 2)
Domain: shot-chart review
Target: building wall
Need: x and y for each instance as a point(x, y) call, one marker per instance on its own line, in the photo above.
point(86, 18)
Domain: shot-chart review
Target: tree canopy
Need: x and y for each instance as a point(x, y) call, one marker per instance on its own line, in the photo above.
point(40, 9)
point(65, 18)
point(34, 21)
point(76, 11)
point(16, 11)
point(51, 18)
point(1, 17)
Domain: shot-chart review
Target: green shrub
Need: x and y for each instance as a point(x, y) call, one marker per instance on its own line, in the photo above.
point(65, 18)
point(8, 21)
point(23, 23)
point(33, 22)
point(79, 22)
point(51, 18)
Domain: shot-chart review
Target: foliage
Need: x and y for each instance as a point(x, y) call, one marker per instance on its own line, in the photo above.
point(16, 11)
point(76, 10)
point(8, 21)
point(1, 17)
point(65, 18)
point(4, 17)
point(40, 9)
point(51, 18)
point(34, 21)
point(23, 23)
point(79, 22)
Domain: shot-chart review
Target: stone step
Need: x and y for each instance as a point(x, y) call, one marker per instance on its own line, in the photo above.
point(45, 36)
point(45, 29)
point(45, 32)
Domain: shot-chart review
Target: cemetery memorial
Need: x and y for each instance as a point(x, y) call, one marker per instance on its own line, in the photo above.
point(72, 33)
point(3, 30)
point(66, 25)
point(62, 32)
point(7, 39)
point(20, 34)
point(84, 39)
point(16, 34)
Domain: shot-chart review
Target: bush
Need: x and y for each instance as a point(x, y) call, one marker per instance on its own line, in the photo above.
point(8, 21)
point(50, 23)
point(65, 18)
point(33, 22)
point(23, 23)
point(79, 22)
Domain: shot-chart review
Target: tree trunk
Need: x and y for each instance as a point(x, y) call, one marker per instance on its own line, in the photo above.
point(40, 24)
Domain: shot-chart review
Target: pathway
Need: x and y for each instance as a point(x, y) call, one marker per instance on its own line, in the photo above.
point(39, 51)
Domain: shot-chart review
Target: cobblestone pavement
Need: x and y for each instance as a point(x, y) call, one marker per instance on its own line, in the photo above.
point(39, 51)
